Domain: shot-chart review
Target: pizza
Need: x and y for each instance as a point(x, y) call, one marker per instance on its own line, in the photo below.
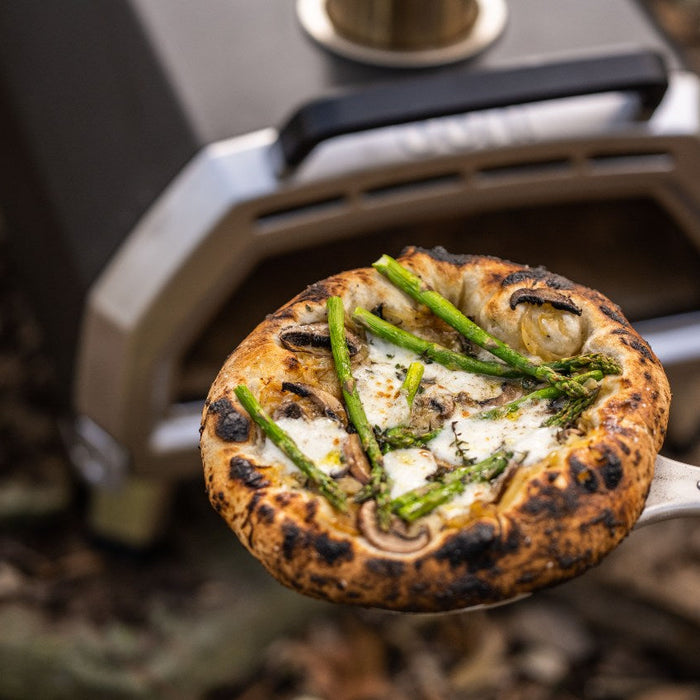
point(435, 432)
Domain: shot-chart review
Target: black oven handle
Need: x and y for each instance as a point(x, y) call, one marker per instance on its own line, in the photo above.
point(453, 92)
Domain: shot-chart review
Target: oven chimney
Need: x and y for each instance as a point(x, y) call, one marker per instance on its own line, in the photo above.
point(403, 25)
point(404, 33)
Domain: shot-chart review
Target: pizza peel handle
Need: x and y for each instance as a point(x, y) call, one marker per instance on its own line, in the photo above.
point(674, 493)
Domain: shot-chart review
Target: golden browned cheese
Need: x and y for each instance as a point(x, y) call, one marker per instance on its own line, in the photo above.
point(550, 520)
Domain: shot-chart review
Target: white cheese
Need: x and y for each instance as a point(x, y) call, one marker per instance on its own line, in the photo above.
point(379, 382)
point(477, 438)
point(320, 439)
point(408, 469)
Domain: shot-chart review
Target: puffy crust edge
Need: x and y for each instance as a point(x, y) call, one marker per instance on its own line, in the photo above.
point(554, 521)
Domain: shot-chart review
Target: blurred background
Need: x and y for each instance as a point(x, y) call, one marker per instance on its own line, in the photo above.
point(158, 197)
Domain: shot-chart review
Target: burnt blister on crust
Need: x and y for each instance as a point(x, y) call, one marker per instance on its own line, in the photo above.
point(610, 468)
point(635, 342)
point(614, 314)
point(551, 502)
point(386, 568)
point(265, 513)
point(314, 293)
point(332, 551)
point(582, 475)
point(641, 347)
point(230, 425)
point(440, 254)
point(243, 471)
point(479, 547)
point(466, 588)
point(528, 295)
point(310, 510)
point(328, 550)
point(537, 274)
point(218, 500)
point(574, 563)
point(605, 517)
point(291, 533)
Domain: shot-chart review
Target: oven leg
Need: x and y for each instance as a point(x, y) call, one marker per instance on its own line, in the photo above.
point(134, 514)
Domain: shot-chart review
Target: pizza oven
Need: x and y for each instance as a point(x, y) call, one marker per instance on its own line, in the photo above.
point(172, 171)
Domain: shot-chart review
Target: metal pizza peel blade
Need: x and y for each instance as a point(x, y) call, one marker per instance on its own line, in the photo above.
point(674, 493)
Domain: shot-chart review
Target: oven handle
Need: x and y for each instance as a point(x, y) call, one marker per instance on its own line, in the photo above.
point(457, 92)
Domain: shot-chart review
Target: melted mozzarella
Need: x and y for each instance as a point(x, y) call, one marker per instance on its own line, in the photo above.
point(408, 469)
point(477, 438)
point(478, 387)
point(379, 382)
point(320, 439)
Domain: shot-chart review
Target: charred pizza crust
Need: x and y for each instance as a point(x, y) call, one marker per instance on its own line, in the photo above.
point(552, 520)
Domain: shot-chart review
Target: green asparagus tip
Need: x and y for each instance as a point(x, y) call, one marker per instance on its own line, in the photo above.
point(411, 382)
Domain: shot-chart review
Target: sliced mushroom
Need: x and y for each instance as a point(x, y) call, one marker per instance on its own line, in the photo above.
point(356, 459)
point(398, 539)
point(544, 296)
point(509, 392)
point(315, 338)
point(326, 403)
point(430, 410)
point(288, 409)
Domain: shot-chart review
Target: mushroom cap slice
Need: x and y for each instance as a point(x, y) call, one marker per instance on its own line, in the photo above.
point(356, 459)
point(315, 338)
point(541, 296)
point(397, 539)
point(327, 404)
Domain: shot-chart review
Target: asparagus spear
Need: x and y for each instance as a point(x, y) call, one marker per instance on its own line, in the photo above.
point(596, 360)
point(324, 483)
point(572, 410)
point(413, 286)
point(412, 381)
point(402, 437)
point(419, 502)
point(432, 351)
point(457, 361)
point(548, 392)
point(378, 482)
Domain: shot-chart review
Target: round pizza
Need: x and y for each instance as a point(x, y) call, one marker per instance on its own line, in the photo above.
point(435, 432)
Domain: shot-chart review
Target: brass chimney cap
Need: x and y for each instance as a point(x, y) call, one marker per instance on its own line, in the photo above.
point(404, 33)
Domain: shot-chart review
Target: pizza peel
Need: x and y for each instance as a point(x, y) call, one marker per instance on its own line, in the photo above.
point(674, 493)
